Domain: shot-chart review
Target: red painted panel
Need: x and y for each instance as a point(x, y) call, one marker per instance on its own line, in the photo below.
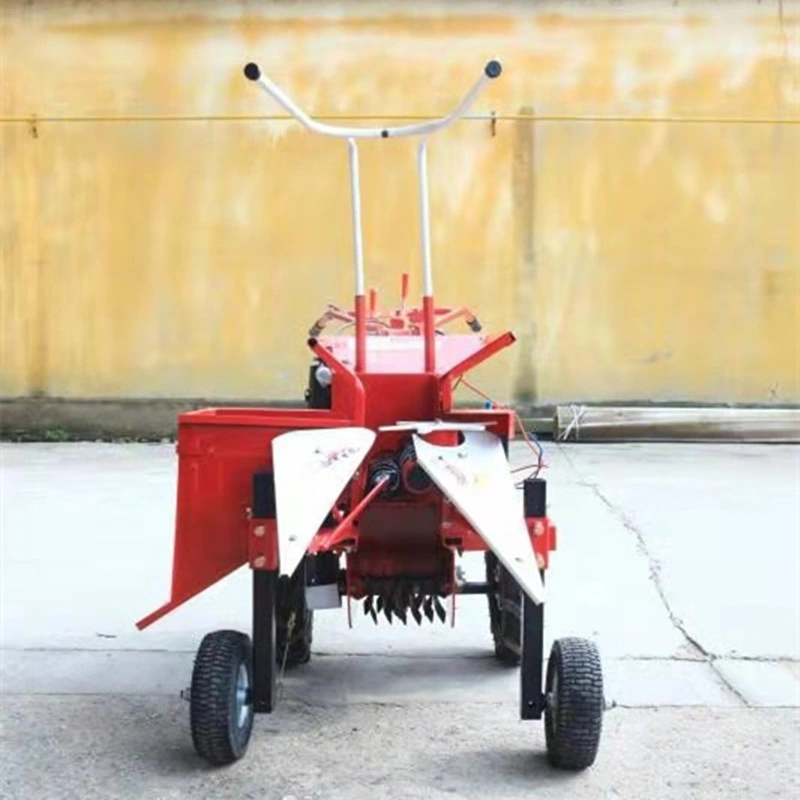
point(218, 453)
point(391, 398)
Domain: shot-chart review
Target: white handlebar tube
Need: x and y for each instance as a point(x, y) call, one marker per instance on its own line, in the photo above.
point(358, 258)
point(253, 73)
point(491, 70)
point(358, 244)
point(424, 211)
point(428, 313)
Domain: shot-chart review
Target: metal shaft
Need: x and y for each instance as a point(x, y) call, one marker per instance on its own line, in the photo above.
point(424, 218)
point(358, 257)
point(427, 273)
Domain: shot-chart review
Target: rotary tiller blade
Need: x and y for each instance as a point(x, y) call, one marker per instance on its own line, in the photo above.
point(369, 608)
point(387, 608)
point(427, 607)
point(379, 604)
point(416, 602)
point(400, 602)
point(440, 612)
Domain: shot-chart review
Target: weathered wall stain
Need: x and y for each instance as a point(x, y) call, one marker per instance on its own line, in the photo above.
point(523, 173)
point(178, 258)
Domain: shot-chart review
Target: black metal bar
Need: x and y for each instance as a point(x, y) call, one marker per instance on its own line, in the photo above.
point(474, 588)
point(263, 495)
point(535, 496)
point(264, 657)
point(532, 696)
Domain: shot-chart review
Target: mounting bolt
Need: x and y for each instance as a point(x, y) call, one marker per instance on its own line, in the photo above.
point(259, 530)
point(539, 528)
point(259, 562)
point(292, 538)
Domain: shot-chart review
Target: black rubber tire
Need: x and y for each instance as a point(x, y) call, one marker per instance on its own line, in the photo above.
point(505, 611)
point(216, 733)
point(291, 600)
point(573, 717)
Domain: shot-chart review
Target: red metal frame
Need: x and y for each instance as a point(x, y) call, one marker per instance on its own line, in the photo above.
point(345, 531)
point(361, 333)
point(429, 330)
point(220, 449)
point(350, 399)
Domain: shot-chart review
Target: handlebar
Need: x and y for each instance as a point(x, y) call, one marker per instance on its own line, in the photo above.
point(491, 70)
point(253, 72)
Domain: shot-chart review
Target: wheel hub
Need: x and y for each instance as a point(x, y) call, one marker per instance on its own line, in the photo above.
point(243, 696)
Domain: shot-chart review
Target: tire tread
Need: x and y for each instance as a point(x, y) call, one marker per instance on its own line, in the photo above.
point(575, 743)
point(215, 666)
point(505, 617)
point(291, 600)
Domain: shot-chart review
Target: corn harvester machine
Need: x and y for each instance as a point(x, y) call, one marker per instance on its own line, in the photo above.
point(370, 493)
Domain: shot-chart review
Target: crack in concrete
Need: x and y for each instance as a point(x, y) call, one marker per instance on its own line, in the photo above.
point(654, 569)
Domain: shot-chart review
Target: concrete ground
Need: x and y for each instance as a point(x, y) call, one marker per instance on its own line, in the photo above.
point(681, 561)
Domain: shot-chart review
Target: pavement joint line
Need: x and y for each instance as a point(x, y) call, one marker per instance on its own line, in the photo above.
point(690, 659)
point(298, 702)
point(654, 568)
point(750, 709)
point(318, 653)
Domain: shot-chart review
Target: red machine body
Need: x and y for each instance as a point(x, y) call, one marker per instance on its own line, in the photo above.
point(380, 471)
point(220, 449)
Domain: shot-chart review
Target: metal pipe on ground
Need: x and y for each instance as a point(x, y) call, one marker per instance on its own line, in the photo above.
point(580, 423)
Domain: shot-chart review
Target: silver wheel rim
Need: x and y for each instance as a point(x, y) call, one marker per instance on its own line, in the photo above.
point(242, 696)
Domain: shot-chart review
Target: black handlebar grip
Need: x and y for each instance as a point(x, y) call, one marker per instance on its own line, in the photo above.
point(492, 69)
point(253, 73)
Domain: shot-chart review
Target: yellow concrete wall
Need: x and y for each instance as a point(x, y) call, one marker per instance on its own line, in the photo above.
point(635, 218)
